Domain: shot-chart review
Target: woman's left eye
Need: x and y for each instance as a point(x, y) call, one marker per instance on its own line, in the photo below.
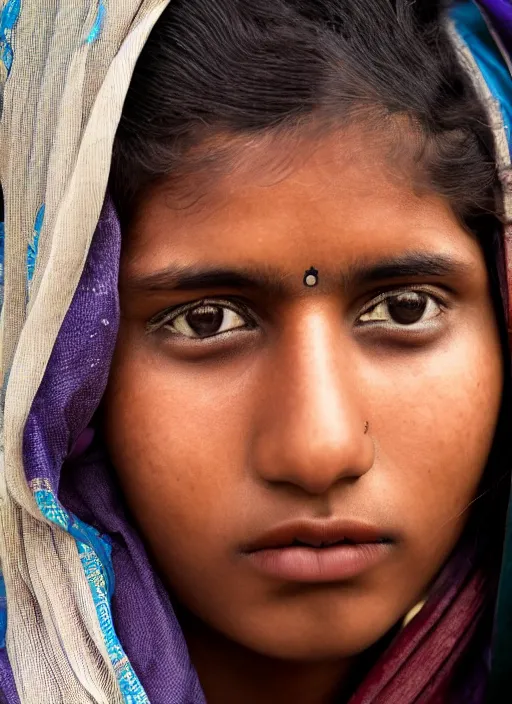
point(202, 320)
point(402, 309)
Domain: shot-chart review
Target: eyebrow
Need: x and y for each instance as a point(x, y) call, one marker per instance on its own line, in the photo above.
point(191, 278)
point(409, 265)
point(359, 273)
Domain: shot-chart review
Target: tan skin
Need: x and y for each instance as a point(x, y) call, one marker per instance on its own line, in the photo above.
point(217, 440)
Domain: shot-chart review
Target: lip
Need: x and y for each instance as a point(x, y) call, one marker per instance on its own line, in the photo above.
point(322, 553)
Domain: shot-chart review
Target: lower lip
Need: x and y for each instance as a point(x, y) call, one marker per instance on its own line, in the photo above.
point(316, 565)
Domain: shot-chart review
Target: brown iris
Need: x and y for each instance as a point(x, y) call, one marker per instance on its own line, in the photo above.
point(407, 308)
point(205, 320)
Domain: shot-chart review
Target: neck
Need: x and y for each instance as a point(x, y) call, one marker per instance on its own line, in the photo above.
point(230, 673)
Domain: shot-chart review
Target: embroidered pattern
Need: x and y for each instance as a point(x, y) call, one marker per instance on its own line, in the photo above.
point(51, 508)
point(8, 19)
point(34, 244)
point(98, 23)
point(95, 553)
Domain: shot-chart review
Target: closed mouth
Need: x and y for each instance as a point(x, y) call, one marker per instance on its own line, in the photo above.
point(319, 535)
point(318, 551)
point(332, 543)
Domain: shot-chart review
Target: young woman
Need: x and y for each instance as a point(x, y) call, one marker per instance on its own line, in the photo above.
point(255, 352)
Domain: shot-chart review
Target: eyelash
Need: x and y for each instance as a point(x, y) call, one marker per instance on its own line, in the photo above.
point(393, 293)
point(167, 317)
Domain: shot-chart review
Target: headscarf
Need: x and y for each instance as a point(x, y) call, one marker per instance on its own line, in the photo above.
point(84, 617)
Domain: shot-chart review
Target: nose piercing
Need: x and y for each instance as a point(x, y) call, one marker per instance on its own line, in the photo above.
point(366, 426)
point(311, 277)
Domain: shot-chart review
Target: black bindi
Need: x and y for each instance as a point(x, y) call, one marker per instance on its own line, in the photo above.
point(311, 277)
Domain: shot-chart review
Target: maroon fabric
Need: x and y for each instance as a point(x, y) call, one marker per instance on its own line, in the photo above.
point(440, 657)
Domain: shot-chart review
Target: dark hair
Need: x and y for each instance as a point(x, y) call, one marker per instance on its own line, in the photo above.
point(246, 67)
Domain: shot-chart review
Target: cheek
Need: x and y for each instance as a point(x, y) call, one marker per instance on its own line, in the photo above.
point(434, 430)
point(177, 440)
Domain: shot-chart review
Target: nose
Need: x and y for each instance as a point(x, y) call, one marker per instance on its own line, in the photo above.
point(312, 423)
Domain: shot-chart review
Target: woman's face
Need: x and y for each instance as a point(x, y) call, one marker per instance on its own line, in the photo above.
point(239, 397)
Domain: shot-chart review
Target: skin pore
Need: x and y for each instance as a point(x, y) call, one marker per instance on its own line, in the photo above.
point(218, 440)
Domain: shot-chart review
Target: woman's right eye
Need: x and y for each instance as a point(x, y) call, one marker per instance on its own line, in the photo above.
point(202, 320)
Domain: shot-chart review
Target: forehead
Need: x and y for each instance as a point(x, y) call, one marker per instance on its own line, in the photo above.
point(342, 198)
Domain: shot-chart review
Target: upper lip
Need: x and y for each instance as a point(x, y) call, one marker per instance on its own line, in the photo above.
point(317, 534)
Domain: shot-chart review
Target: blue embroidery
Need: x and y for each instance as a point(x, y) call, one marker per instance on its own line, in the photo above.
point(473, 29)
point(88, 536)
point(33, 246)
point(8, 19)
point(3, 612)
point(98, 23)
point(52, 509)
point(129, 683)
point(95, 553)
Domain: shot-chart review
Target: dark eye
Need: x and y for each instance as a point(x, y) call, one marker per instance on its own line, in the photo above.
point(406, 308)
point(202, 320)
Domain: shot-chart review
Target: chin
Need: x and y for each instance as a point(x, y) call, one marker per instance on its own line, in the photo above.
point(316, 643)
